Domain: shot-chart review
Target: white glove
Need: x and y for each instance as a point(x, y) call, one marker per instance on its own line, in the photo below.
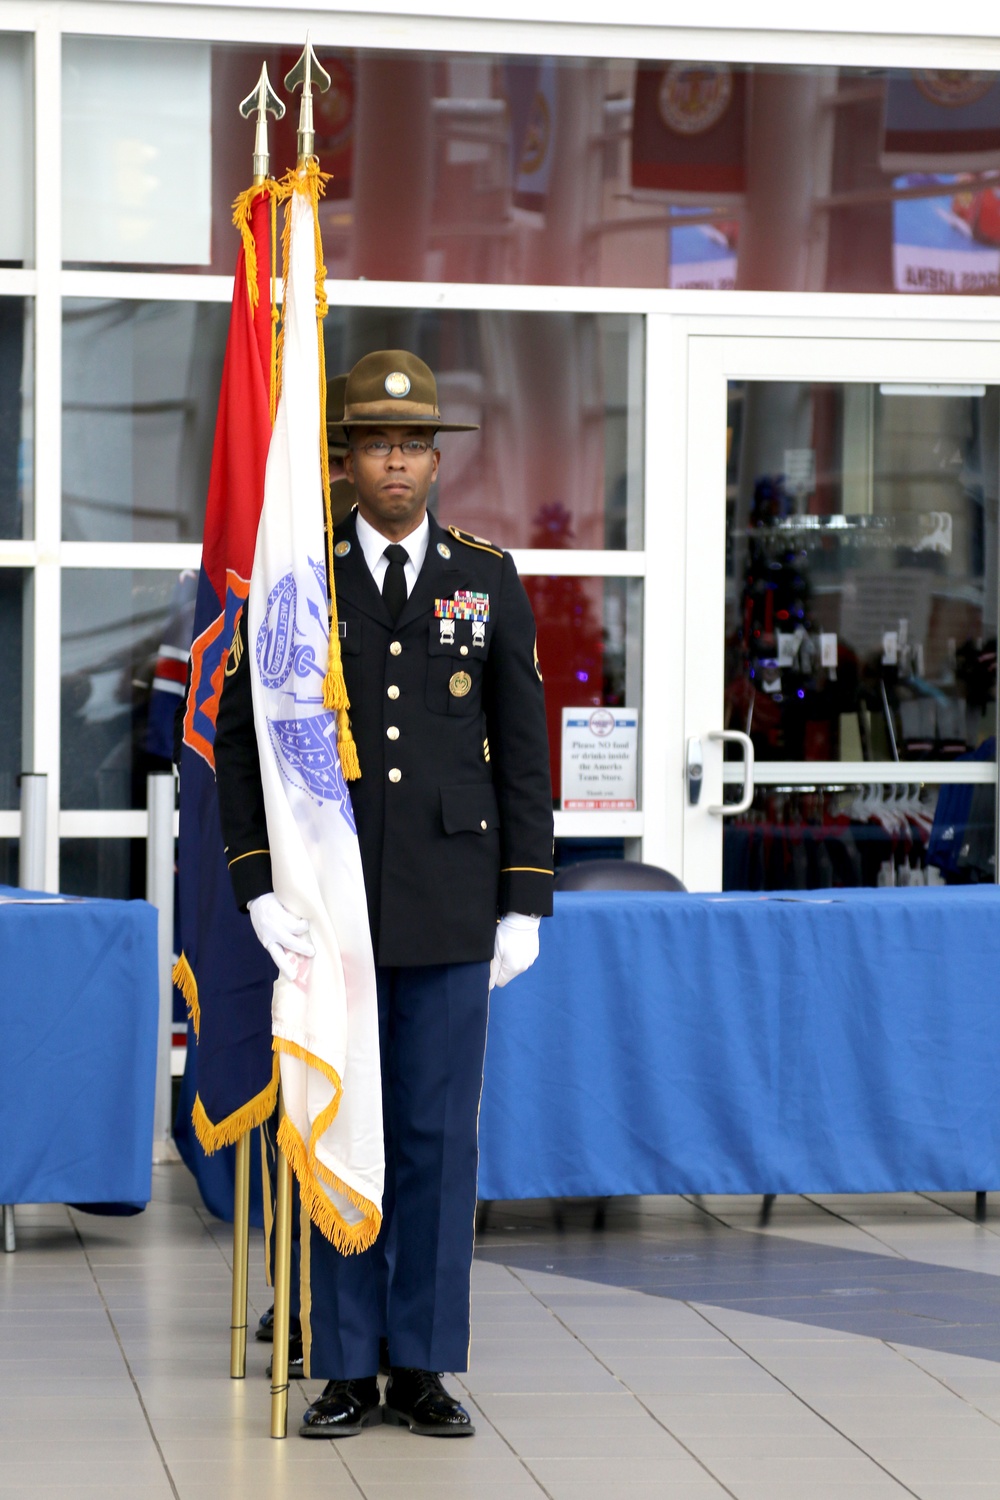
point(282, 934)
point(515, 948)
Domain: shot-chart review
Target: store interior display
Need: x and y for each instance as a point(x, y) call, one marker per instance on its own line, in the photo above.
point(861, 627)
point(896, 835)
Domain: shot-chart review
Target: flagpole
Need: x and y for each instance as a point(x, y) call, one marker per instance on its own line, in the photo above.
point(241, 1255)
point(260, 102)
point(307, 74)
point(282, 1293)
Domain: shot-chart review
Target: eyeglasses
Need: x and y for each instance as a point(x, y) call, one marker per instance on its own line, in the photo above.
point(381, 447)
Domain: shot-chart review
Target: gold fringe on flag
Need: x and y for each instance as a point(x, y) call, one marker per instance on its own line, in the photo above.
point(183, 977)
point(349, 1239)
point(227, 1132)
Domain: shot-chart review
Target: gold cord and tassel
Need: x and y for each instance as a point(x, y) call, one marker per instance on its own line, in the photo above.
point(308, 179)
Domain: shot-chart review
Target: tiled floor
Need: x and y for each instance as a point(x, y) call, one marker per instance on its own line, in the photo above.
point(849, 1350)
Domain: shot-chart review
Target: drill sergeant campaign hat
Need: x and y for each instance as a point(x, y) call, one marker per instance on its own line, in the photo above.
point(336, 437)
point(392, 387)
point(343, 495)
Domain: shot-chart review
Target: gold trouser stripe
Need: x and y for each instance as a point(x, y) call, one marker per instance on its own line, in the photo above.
point(247, 856)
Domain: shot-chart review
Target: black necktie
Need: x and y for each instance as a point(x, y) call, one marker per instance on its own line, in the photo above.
point(394, 582)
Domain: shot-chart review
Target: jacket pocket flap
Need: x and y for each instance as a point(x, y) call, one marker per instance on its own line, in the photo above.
point(469, 809)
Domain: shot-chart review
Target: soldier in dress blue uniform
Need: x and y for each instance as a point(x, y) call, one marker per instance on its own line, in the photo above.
point(454, 817)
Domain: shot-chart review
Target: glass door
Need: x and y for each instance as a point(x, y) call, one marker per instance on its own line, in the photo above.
point(842, 587)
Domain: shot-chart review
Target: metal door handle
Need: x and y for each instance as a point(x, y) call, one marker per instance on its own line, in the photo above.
point(737, 737)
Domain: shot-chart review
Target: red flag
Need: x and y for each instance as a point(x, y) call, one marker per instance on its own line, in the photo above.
point(236, 484)
point(224, 974)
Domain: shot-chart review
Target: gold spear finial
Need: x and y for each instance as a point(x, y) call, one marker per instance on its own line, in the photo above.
point(307, 74)
point(264, 101)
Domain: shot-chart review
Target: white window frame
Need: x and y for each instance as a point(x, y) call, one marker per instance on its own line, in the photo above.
point(672, 318)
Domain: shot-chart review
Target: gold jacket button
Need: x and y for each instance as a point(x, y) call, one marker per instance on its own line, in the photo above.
point(392, 692)
point(395, 775)
point(463, 650)
point(483, 825)
point(395, 648)
point(392, 732)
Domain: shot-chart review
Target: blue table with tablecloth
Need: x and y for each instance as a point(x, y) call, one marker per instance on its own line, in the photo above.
point(828, 1041)
point(78, 1018)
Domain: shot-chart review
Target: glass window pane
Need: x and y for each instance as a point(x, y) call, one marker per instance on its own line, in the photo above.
point(112, 868)
point(576, 171)
point(589, 649)
point(16, 416)
point(140, 389)
point(136, 157)
point(17, 94)
point(558, 396)
point(14, 584)
point(116, 725)
point(905, 834)
point(9, 861)
point(861, 589)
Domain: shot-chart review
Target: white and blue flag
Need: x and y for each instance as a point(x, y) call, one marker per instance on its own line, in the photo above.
point(325, 1020)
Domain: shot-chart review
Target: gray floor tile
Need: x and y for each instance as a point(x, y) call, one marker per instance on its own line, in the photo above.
point(667, 1487)
point(564, 1478)
point(540, 1375)
point(578, 1426)
point(483, 1488)
point(752, 1475)
point(656, 1376)
point(834, 1488)
point(788, 1385)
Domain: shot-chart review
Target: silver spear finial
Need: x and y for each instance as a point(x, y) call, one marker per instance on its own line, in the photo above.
point(308, 74)
point(264, 101)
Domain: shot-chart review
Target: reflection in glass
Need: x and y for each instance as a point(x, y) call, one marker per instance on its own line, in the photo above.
point(557, 461)
point(13, 589)
point(16, 341)
point(140, 389)
point(9, 861)
point(16, 92)
point(608, 172)
point(861, 570)
point(136, 157)
point(117, 717)
point(111, 868)
point(904, 834)
point(589, 648)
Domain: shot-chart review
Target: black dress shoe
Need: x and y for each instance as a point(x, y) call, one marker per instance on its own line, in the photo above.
point(416, 1399)
point(345, 1407)
point(265, 1328)
point(296, 1358)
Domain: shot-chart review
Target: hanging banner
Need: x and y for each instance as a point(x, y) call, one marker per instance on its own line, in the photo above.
point(689, 131)
point(600, 757)
point(530, 87)
point(704, 256)
point(949, 244)
point(941, 119)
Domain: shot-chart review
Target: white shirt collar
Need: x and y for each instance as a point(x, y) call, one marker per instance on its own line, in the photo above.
point(373, 545)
